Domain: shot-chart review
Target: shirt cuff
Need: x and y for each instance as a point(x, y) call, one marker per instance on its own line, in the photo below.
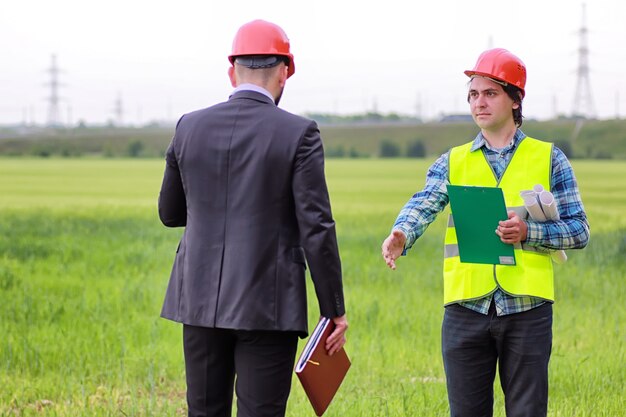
point(534, 234)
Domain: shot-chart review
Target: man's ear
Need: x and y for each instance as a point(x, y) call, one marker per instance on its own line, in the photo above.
point(232, 76)
point(516, 104)
point(284, 73)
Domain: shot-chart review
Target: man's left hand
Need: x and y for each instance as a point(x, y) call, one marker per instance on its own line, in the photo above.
point(337, 338)
point(513, 230)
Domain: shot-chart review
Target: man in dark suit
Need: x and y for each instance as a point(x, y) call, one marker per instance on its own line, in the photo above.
point(246, 180)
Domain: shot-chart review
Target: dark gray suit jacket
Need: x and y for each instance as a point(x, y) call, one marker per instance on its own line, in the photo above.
point(246, 179)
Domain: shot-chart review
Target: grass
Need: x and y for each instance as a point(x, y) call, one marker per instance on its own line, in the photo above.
point(84, 264)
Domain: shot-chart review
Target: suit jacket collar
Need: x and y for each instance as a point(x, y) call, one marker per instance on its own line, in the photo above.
point(253, 95)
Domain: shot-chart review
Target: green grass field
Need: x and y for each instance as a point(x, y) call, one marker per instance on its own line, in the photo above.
point(84, 264)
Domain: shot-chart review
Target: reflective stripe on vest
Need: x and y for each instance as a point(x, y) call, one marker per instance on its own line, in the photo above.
point(532, 274)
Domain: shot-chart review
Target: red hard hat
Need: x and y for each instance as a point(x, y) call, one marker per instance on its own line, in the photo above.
point(262, 38)
point(500, 65)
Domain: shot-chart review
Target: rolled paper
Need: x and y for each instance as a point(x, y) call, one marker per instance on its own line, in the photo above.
point(525, 193)
point(558, 256)
point(549, 205)
point(546, 199)
point(534, 209)
point(541, 207)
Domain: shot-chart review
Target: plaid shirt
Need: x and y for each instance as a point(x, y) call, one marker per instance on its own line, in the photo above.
point(570, 232)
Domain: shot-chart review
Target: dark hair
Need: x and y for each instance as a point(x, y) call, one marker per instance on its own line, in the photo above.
point(516, 95)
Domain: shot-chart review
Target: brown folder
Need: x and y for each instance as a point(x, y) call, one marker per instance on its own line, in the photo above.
point(320, 374)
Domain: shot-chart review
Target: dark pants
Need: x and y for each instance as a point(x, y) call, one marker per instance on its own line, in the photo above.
point(520, 344)
point(261, 360)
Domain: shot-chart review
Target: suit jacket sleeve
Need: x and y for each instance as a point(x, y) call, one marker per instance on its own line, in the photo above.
point(316, 224)
point(172, 203)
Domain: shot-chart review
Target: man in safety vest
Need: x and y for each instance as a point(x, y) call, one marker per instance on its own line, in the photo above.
point(498, 315)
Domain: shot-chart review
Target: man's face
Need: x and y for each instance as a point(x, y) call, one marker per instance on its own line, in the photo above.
point(491, 107)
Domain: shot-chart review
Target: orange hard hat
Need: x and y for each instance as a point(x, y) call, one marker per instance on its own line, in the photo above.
point(262, 38)
point(501, 65)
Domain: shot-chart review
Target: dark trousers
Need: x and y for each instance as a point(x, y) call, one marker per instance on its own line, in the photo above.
point(262, 362)
point(520, 345)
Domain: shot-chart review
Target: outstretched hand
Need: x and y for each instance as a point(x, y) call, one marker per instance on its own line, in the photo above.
point(337, 338)
point(393, 247)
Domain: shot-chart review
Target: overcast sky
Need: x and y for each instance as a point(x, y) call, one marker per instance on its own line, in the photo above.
point(165, 58)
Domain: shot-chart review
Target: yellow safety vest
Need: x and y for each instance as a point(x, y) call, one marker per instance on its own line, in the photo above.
point(532, 275)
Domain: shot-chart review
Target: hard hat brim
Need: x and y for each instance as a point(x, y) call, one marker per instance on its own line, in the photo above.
point(289, 58)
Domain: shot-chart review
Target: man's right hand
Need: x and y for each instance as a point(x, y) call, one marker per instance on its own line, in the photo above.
point(393, 247)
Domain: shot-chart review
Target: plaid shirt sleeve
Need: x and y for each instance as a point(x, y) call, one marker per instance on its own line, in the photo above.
point(572, 230)
point(422, 209)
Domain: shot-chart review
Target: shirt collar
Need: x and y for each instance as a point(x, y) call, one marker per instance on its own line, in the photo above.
point(253, 87)
point(480, 141)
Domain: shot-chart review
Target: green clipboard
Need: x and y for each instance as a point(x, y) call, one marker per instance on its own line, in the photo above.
point(476, 212)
